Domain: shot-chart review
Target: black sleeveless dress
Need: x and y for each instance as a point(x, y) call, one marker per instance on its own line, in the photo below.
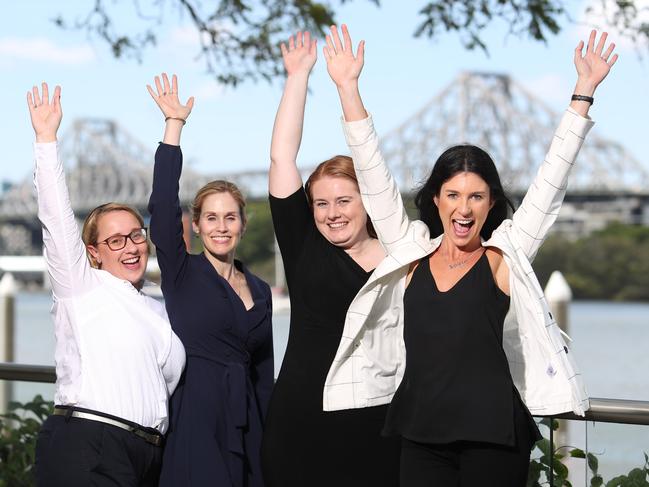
point(457, 385)
point(304, 445)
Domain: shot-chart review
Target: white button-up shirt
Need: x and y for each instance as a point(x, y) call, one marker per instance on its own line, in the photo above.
point(115, 350)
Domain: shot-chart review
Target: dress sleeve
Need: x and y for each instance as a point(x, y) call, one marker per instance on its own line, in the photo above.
point(293, 221)
point(263, 363)
point(379, 190)
point(166, 213)
point(543, 200)
point(65, 254)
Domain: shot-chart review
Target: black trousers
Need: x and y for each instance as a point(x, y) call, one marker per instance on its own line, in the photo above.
point(75, 452)
point(463, 464)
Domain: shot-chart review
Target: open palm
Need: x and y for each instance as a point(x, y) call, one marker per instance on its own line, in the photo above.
point(45, 114)
point(166, 97)
point(593, 66)
point(342, 65)
point(301, 53)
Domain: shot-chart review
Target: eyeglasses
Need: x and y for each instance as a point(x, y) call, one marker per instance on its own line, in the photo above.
point(118, 242)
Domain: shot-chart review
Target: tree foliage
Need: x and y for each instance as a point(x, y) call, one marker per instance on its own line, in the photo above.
point(612, 264)
point(239, 39)
point(18, 432)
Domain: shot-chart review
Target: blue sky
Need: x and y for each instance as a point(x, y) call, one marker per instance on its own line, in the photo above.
point(230, 130)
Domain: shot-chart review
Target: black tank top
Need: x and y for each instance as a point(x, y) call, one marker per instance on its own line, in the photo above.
point(457, 385)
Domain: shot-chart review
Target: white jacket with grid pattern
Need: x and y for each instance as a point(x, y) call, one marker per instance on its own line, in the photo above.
point(370, 360)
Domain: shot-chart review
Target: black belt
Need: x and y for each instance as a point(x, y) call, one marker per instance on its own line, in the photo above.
point(150, 435)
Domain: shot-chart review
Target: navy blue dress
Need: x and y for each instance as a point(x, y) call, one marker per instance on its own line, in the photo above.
point(218, 409)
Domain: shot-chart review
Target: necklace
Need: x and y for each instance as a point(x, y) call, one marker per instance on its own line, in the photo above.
point(235, 287)
point(460, 263)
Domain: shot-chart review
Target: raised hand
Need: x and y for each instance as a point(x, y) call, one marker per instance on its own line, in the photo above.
point(342, 65)
point(595, 65)
point(166, 97)
point(300, 55)
point(46, 115)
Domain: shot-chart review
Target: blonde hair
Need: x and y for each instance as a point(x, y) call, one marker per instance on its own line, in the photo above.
point(336, 167)
point(90, 229)
point(214, 187)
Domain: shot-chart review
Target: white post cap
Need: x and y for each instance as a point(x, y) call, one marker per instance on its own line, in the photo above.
point(557, 289)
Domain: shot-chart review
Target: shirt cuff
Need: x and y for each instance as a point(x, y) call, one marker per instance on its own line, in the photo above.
point(358, 132)
point(46, 152)
point(579, 125)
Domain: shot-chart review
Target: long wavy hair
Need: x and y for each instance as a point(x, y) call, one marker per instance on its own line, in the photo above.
point(454, 160)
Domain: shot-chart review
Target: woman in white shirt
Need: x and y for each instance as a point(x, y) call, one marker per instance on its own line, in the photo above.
point(117, 359)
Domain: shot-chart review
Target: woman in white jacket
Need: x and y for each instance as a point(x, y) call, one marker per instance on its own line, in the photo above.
point(462, 405)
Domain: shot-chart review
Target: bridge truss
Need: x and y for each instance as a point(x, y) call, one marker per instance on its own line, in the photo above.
point(105, 163)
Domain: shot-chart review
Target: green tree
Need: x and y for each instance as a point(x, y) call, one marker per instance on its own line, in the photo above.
point(257, 248)
point(239, 39)
point(612, 264)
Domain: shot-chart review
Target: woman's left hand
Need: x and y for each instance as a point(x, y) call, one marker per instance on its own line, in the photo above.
point(342, 65)
point(166, 97)
point(595, 65)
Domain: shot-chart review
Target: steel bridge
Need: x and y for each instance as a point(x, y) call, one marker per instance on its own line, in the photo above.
point(106, 163)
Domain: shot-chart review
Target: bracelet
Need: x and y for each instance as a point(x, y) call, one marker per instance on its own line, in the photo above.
point(180, 119)
point(589, 99)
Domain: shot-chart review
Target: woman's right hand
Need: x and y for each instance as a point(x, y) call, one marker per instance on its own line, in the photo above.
point(166, 97)
point(300, 55)
point(175, 113)
point(45, 115)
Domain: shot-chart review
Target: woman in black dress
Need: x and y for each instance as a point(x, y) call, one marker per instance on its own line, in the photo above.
point(222, 314)
point(463, 406)
point(329, 253)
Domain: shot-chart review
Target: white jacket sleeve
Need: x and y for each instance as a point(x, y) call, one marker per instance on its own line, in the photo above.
point(379, 190)
point(544, 198)
point(65, 254)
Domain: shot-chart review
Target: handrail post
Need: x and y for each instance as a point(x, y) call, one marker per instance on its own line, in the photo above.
point(559, 295)
point(7, 300)
point(551, 479)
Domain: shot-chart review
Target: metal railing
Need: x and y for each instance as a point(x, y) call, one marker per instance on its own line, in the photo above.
point(27, 373)
point(601, 410)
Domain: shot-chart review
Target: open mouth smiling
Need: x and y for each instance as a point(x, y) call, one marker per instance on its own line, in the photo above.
point(336, 225)
point(131, 261)
point(462, 226)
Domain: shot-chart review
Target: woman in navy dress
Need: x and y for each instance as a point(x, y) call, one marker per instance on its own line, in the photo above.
point(222, 314)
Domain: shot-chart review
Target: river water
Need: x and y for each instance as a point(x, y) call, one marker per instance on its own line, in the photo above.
point(610, 343)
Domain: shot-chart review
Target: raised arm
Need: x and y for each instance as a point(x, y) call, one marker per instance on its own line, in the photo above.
point(299, 57)
point(164, 204)
point(379, 190)
point(65, 253)
point(543, 200)
point(592, 67)
point(175, 113)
